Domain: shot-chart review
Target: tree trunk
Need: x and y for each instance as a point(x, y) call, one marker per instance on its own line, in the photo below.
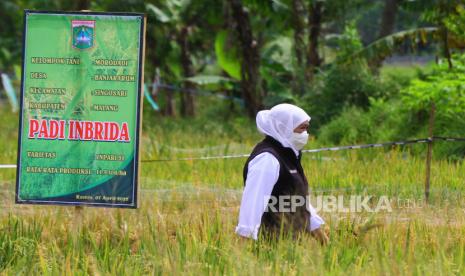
point(446, 49)
point(187, 96)
point(250, 77)
point(314, 25)
point(388, 22)
point(298, 24)
point(169, 105)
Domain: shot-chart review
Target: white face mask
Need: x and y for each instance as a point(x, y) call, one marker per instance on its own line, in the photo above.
point(299, 140)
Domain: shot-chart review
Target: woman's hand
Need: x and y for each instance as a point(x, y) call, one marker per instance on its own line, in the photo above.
point(320, 235)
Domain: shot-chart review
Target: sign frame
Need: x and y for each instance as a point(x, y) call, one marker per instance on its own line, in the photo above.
point(134, 204)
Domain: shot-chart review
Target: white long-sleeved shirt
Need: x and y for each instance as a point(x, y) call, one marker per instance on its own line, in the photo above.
point(262, 175)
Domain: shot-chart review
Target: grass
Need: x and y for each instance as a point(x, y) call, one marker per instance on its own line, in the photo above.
point(189, 209)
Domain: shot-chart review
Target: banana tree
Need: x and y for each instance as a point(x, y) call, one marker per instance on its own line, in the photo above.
point(445, 16)
point(386, 46)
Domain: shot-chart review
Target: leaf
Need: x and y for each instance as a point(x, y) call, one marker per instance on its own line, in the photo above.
point(227, 55)
point(204, 79)
point(279, 51)
point(159, 14)
point(279, 5)
point(385, 46)
point(444, 88)
point(6, 53)
point(17, 70)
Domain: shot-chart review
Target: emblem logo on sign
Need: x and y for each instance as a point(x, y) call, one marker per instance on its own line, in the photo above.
point(83, 34)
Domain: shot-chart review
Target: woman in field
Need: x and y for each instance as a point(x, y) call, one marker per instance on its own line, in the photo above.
point(275, 195)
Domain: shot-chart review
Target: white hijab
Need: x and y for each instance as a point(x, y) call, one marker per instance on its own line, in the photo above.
point(280, 121)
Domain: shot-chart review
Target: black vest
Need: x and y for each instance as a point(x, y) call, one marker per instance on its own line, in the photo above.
point(291, 182)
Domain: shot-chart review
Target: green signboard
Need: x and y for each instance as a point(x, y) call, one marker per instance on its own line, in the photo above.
point(80, 108)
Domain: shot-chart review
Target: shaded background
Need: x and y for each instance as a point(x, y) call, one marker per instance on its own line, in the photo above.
point(364, 70)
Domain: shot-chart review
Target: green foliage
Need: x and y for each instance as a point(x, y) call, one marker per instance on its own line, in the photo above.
point(352, 126)
point(401, 75)
point(345, 86)
point(175, 10)
point(383, 121)
point(348, 128)
point(449, 126)
point(227, 54)
point(159, 14)
point(349, 42)
point(342, 84)
point(276, 71)
point(386, 46)
point(455, 22)
point(206, 79)
point(340, 87)
point(278, 52)
point(392, 121)
point(444, 87)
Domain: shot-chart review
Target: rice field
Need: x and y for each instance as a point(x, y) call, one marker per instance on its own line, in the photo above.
point(189, 209)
